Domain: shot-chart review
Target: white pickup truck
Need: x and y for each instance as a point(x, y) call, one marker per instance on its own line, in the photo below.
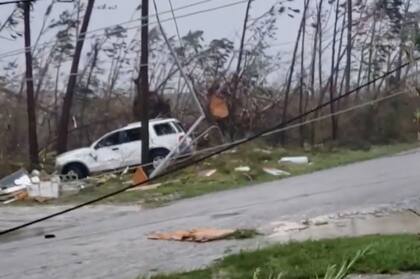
point(122, 148)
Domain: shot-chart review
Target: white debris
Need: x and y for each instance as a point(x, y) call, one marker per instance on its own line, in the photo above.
point(125, 171)
point(35, 179)
point(14, 189)
point(243, 169)
point(265, 151)
point(286, 227)
point(320, 221)
point(301, 160)
point(207, 173)
point(45, 189)
point(276, 172)
point(232, 151)
point(35, 173)
point(23, 181)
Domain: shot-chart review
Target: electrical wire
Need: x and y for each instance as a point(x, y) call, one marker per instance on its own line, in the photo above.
point(353, 108)
point(179, 159)
point(52, 42)
point(176, 24)
point(281, 125)
point(16, 2)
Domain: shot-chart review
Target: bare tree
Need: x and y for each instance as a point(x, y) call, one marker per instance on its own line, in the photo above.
point(62, 135)
point(289, 81)
point(333, 88)
point(349, 43)
point(302, 87)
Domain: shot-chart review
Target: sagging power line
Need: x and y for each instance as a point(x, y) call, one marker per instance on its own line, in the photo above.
point(207, 10)
point(263, 132)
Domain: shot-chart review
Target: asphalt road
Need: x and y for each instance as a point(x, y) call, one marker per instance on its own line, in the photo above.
point(111, 242)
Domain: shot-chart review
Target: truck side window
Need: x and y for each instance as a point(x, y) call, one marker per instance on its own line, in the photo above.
point(164, 129)
point(130, 135)
point(110, 140)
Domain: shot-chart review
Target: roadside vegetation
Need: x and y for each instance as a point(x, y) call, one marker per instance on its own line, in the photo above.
point(315, 259)
point(191, 182)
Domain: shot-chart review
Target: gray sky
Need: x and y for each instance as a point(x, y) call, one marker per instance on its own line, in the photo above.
point(226, 22)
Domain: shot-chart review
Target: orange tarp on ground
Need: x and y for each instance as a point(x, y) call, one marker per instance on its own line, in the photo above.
point(196, 235)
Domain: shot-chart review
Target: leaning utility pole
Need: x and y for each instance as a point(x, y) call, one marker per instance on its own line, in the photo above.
point(30, 101)
point(143, 82)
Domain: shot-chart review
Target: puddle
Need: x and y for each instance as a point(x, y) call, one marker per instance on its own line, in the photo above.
point(401, 223)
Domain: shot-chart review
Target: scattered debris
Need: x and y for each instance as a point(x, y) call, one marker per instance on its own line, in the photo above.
point(35, 180)
point(207, 173)
point(17, 197)
point(301, 160)
point(320, 221)
point(103, 179)
point(276, 172)
point(14, 189)
point(265, 151)
point(284, 227)
point(9, 181)
point(49, 236)
point(125, 171)
point(45, 189)
point(196, 235)
point(232, 151)
point(23, 181)
point(243, 169)
point(244, 234)
point(139, 176)
point(145, 187)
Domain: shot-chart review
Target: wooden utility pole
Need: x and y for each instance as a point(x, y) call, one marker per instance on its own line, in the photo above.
point(71, 86)
point(30, 100)
point(349, 43)
point(143, 82)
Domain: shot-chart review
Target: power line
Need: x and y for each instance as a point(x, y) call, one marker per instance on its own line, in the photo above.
point(323, 117)
point(52, 42)
point(176, 23)
point(199, 160)
point(16, 2)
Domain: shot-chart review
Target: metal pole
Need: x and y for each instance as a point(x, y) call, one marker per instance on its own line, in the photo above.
point(202, 117)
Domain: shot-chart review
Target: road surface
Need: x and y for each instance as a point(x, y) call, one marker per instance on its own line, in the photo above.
point(111, 242)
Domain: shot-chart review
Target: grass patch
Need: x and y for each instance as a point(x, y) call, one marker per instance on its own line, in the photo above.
point(311, 259)
point(187, 183)
point(244, 234)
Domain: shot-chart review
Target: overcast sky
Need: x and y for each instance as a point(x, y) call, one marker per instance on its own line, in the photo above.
point(225, 22)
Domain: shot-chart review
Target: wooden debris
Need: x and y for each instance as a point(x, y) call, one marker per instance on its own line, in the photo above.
point(196, 235)
point(145, 187)
point(218, 107)
point(139, 176)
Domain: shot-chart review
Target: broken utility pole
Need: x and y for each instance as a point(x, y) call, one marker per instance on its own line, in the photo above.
point(30, 101)
point(143, 82)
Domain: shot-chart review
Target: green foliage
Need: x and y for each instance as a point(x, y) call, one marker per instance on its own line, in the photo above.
point(312, 259)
